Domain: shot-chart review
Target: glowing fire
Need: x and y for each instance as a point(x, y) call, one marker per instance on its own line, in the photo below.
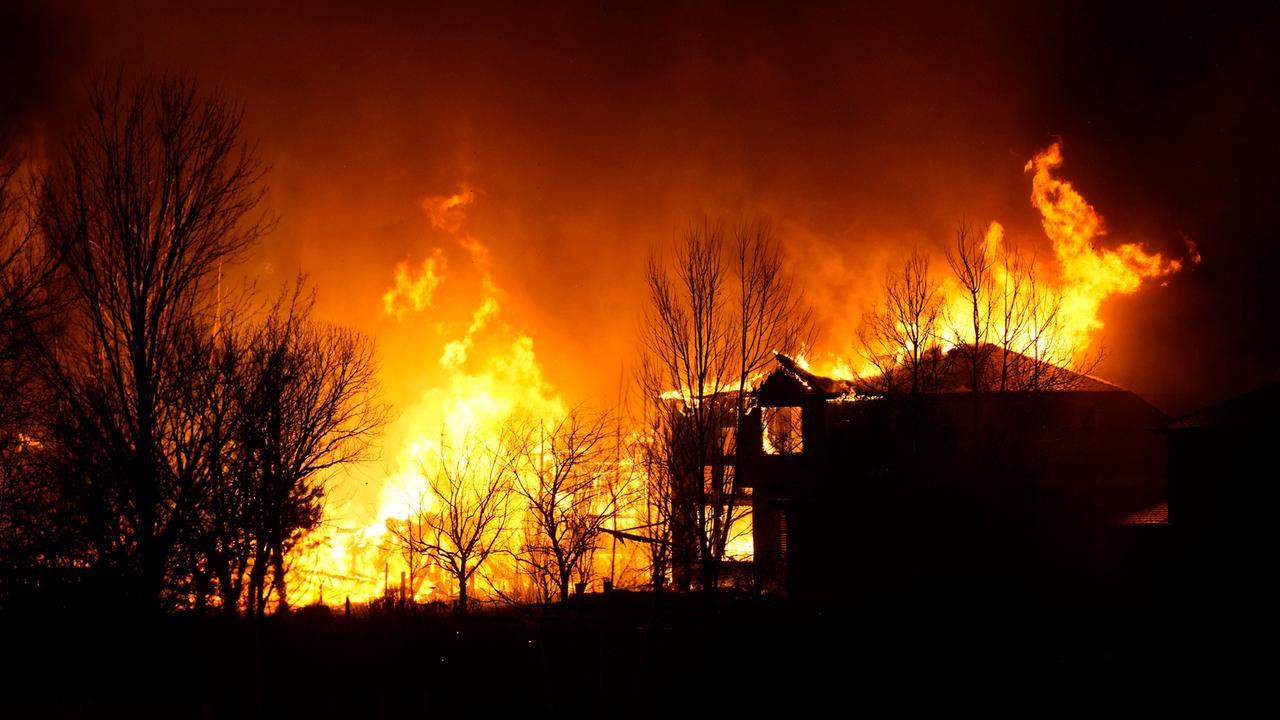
point(1089, 275)
point(483, 375)
point(413, 294)
point(1085, 276)
point(487, 371)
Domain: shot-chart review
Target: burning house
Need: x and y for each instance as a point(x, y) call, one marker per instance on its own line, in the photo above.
point(858, 494)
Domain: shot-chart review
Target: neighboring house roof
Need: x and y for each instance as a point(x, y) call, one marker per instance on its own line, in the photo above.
point(1252, 409)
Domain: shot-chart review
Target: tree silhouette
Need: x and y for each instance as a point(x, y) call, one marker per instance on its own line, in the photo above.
point(1048, 359)
point(1014, 337)
point(462, 520)
point(28, 319)
point(901, 337)
point(564, 478)
point(710, 327)
point(27, 305)
point(307, 405)
point(970, 259)
point(1031, 347)
point(154, 192)
point(164, 444)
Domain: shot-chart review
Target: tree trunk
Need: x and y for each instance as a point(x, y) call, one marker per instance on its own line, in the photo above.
point(462, 595)
point(278, 578)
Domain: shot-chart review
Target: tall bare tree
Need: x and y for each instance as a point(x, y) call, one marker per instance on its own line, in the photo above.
point(463, 520)
point(309, 404)
point(1012, 314)
point(27, 304)
point(220, 541)
point(772, 314)
point(1034, 351)
point(28, 319)
point(565, 479)
point(1048, 358)
point(710, 327)
point(901, 337)
point(153, 193)
point(970, 259)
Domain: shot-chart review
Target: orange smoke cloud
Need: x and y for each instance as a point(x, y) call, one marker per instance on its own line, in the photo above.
point(447, 212)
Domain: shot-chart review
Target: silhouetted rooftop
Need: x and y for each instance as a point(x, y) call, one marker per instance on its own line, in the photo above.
point(953, 375)
point(1252, 409)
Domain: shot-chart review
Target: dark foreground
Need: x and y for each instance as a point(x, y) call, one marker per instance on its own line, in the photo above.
point(633, 655)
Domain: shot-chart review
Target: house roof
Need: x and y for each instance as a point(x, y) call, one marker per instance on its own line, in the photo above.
point(1253, 409)
point(954, 374)
point(957, 376)
point(791, 378)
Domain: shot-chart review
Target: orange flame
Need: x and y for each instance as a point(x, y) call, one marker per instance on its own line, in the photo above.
point(482, 377)
point(410, 293)
point(1088, 274)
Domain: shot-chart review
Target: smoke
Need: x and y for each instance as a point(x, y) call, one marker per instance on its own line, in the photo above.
point(595, 133)
point(40, 56)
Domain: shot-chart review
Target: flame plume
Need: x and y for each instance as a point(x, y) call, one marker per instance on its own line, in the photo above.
point(482, 376)
point(1084, 277)
point(1088, 274)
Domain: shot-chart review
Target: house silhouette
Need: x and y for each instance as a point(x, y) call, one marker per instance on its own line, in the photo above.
point(879, 495)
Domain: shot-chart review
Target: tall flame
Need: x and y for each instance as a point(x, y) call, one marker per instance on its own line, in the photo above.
point(482, 376)
point(1088, 274)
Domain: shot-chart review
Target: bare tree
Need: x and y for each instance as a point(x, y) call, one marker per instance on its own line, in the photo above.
point(901, 337)
point(308, 405)
point(28, 319)
point(1048, 359)
point(184, 446)
point(708, 330)
point(1034, 350)
point(686, 369)
point(772, 315)
point(463, 520)
point(27, 305)
point(221, 538)
point(564, 476)
point(971, 260)
point(153, 194)
point(1012, 316)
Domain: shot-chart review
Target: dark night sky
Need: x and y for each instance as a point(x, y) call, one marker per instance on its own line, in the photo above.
point(593, 131)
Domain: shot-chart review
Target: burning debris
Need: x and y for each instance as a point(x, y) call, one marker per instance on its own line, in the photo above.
point(817, 383)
